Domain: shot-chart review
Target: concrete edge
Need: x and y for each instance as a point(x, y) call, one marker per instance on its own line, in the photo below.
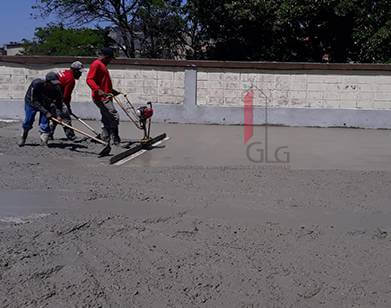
point(209, 114)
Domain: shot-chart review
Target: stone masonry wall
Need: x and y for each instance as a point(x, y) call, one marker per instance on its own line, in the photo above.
point(292, 86)
point(142, 84)
point(296, 89)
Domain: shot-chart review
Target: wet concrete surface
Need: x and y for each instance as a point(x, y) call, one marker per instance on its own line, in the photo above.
point(195, 223)
point(293, 147)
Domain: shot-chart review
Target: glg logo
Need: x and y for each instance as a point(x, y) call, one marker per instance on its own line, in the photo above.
point(257, 152)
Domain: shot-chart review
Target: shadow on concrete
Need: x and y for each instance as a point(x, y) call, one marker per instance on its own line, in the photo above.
point(32, 145)
point(71, 146)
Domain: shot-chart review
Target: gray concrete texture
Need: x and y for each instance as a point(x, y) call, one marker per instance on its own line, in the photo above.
point(193, 222)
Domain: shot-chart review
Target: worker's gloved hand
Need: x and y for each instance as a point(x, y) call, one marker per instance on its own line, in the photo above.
point(115, 92)
point(101, 93)
point(48, 115)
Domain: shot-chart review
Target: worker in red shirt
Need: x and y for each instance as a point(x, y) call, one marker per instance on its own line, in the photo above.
point(67, 82)
point(99, 81)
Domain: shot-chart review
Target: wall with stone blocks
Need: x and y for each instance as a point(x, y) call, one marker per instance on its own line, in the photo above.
point(296, 89)
point(297, 94)
point(140, 83)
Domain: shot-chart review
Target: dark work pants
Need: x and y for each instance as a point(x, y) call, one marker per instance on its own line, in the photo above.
point(66, 116)
point(30, 113)
point(110, 116)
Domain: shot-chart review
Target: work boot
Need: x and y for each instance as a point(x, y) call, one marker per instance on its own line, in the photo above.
point(52, 128)
point(44, 139)
point(70, 136)
point(23, 137)
point(69, 133)
point(116, 138)
point(105, 135)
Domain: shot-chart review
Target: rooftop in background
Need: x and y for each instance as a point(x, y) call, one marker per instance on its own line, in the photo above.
point(12, 49)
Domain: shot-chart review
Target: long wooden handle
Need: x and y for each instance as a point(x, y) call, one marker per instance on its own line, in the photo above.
point(126, 112)
point(78, 130)
point(111, 96)
point(123, 108)
point(84, 123)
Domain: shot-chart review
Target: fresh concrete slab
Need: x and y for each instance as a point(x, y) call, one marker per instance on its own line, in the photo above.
point(195, 223)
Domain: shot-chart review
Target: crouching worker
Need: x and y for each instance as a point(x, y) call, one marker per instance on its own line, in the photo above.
point(40, 97)
point(67, 82)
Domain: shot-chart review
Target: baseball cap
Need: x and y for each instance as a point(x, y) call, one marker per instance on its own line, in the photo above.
point(52, 78)
point(77, 65)
point(108, 52)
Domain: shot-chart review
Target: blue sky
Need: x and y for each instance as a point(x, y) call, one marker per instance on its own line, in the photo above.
point(16, 22)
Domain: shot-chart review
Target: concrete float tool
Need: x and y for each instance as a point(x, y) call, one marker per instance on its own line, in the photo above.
point(106, 150)
point(141, 118)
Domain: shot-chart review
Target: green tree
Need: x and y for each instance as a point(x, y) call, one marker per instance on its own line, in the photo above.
point(372, 35)
point(147, 23)
point(160, 29)
point(311, 29)
point(348, 30)
point(55, 40)
point(235, 30)
point(117, 13)
point(197, 41)
point(259, 30)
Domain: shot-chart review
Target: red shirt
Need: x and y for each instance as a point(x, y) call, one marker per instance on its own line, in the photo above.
point(67, 82)
point(98, 78)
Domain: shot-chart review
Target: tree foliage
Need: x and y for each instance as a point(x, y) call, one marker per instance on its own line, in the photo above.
point(296, 30)
point(55, 40)
point(238, 30)
point(372, 35)
point(271, 30)
point(153, 24)
point(159, 26)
